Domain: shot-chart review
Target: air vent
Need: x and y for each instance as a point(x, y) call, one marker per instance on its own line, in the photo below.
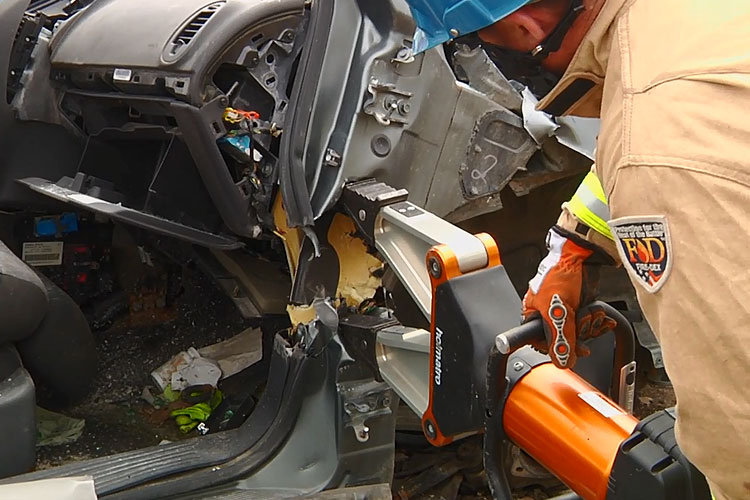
point(194, 26)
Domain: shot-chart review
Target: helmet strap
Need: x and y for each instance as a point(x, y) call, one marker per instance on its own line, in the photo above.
point(554, 40)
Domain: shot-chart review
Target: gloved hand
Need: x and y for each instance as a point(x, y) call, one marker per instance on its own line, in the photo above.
point(556, 293)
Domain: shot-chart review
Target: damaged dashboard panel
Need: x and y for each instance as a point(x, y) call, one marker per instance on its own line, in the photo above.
point(180, 138)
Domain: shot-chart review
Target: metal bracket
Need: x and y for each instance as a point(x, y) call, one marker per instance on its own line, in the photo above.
point(403, 356)
point(387, 103)
point(626, 392)
point(405, 55)
point(485, 77)
point(404, 233)
point(363, 401)
point(362, 200)
point(358, 333)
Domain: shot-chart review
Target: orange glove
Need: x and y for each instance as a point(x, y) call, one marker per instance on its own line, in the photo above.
point(556, 293)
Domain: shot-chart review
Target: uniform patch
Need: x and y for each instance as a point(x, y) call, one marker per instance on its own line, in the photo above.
point(645, 249)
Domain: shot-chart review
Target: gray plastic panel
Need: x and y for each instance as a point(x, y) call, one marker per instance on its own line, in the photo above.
point(135, 34)
point(17, 415)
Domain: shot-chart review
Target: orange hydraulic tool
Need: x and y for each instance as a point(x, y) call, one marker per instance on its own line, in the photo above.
point(463, 378)
point(590, 443)
point(453, 411)
point(459, 283)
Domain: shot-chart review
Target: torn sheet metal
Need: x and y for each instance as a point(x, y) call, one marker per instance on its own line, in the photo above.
point(537, 123)
point(578, 134)
point(69, 488)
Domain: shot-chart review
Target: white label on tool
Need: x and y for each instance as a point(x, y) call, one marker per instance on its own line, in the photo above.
point(43, 253)
point(600, 404)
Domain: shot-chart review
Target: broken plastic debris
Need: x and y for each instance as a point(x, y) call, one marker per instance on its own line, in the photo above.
point(148, 397)
point(162, 376)
point(170, 395)
point(207, 365)
point(160, 400)
point(199, 371)
point(237, 353)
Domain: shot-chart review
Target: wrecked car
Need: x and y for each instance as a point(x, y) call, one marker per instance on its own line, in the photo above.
point(257, 142)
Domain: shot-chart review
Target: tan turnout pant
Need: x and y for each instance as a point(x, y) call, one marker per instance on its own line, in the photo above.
point(701, 315)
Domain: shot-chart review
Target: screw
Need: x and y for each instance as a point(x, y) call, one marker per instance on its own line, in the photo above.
point(288, 36)
point(436, 270)
point(518, 366)
point(404, 107)
point(390, 102)
point(364, 434)
point(430, 430)
point(362, 215)
point(454, 32)
point(386, 401)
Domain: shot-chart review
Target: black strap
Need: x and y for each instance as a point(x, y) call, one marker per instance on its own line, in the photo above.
point(554, 40)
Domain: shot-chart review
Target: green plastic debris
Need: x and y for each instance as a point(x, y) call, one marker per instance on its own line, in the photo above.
point(170, 395)
point(188, 418)
point(54, 429)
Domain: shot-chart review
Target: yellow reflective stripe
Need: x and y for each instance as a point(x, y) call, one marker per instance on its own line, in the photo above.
point(589, 205)
point(592, 182)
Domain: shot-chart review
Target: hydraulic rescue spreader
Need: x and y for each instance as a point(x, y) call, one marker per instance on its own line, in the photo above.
point(464, 377)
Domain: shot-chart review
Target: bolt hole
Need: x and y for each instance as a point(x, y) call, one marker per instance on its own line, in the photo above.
point(270, 81)
point(180, 84)
point(257, 38)
point(270, 58)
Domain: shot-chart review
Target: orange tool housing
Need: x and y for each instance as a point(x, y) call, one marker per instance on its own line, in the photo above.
point(567, 426)
point(446, 264)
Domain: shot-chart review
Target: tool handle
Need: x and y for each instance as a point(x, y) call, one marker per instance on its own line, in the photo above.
point(520, 336)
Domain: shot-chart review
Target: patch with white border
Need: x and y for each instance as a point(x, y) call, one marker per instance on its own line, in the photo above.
point(645, 248)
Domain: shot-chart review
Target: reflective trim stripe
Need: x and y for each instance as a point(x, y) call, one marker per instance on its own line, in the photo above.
point(597, 207)
point(589, 205)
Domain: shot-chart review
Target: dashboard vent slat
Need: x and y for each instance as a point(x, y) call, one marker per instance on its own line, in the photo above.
point(192, 28)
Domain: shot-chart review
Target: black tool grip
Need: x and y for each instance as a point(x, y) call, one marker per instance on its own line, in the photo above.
point(520, 336)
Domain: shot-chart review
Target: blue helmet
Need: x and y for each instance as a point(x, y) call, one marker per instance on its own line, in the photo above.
point(440, 20)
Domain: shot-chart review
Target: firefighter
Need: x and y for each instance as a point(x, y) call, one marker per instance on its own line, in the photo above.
point(668, 197)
